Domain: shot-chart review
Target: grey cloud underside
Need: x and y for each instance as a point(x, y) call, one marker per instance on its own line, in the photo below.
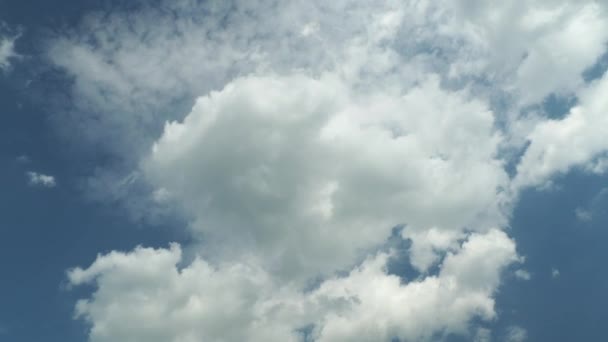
point(316, 129)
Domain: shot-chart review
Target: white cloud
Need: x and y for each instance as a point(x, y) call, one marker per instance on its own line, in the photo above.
point(142, 295)
point(419, 310)
point(483, 335)
point(278, 167)
point(558, 145)
point(529, 49)
point(583, 214)
point(129, 74)
point(523, 274)
point(516, 334)
point(555, 273)
point(390, 43)
point(558, 58)
point(40, 179)
point(316, 129)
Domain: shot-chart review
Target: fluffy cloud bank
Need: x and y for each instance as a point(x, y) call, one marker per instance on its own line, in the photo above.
point(304, 173)
point(143, 296)
point(316, 130)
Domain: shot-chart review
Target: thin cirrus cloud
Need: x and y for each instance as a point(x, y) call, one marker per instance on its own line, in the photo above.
point(316, 129)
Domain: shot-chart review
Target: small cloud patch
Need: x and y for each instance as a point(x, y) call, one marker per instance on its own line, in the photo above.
point(583, 215)
point(40, 179)
point(516, 334)
point(23, 159)
point(523, 275)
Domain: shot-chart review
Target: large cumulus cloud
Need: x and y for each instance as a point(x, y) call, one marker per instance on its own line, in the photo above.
point(305, 173)
point(316, 129)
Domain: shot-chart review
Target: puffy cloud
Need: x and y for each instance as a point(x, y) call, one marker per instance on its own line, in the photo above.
point(523, 274)
point(134, 68)
point(192, 48)
point(294, 175)
point(535, 48)
point(143, 295)
point(40, 179)
point(420, 310)
point(317, 128)
point(280, 167)
point(122, 96)
point(526, 51)
point(583, 214)
point(387, 44)
point(557, 60)
point(555, 146)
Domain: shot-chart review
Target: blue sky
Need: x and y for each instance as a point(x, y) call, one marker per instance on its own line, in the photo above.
point(262, 154)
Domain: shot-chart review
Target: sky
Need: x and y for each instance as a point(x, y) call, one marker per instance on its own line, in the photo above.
point(265, 170)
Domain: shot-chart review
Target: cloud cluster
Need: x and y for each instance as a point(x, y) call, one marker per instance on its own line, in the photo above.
point(144, 296)
point(316, 129)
